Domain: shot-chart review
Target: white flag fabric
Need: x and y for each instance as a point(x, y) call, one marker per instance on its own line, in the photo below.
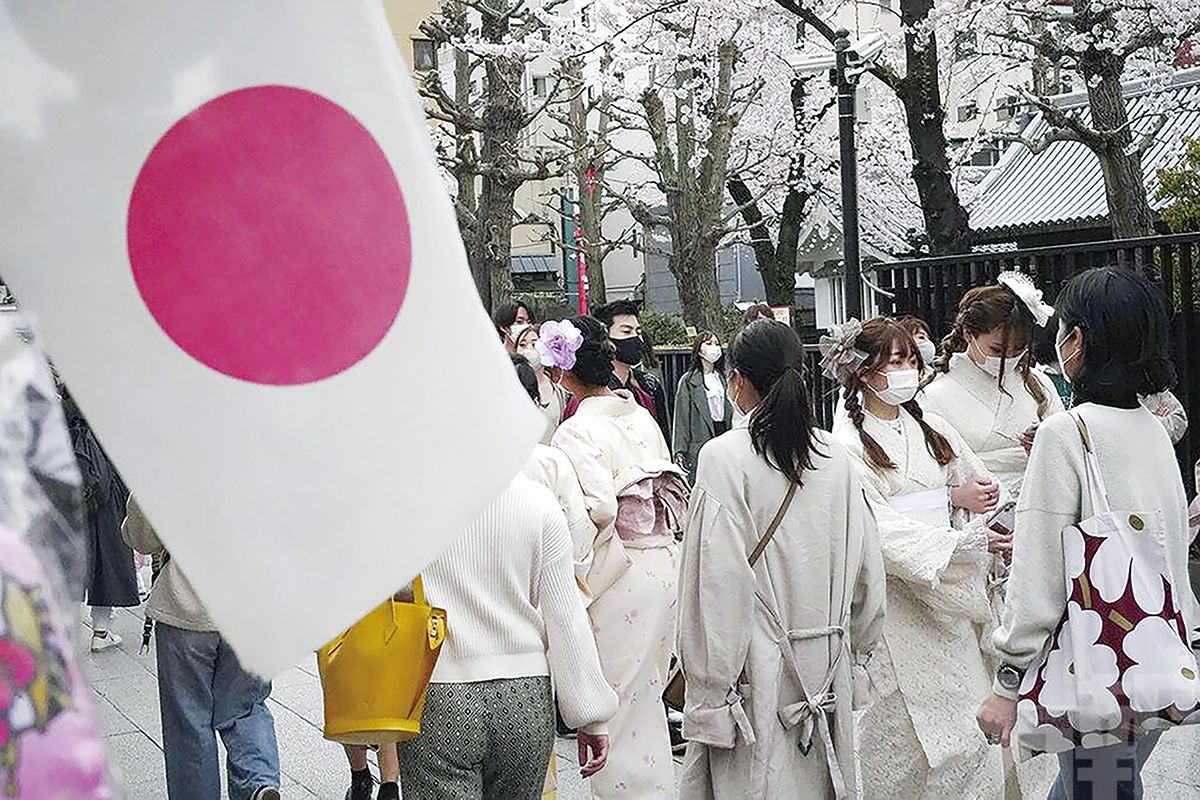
point(228, 218)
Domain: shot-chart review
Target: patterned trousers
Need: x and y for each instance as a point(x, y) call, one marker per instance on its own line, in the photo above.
point(481, 741)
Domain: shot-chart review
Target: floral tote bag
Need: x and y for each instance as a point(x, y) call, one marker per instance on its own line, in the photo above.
point(1120, 661)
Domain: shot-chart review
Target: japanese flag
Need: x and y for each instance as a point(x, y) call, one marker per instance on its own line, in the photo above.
point(227, 216)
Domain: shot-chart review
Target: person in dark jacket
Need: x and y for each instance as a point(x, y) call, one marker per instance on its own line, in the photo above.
point(112, 579)
point(625, 331)
point(702, 407)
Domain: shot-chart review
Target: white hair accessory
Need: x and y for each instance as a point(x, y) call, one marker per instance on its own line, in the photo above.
point(1023, 287)
point(839, 356)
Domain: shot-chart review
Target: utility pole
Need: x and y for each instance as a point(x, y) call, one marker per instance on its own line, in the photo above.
point(847, 89)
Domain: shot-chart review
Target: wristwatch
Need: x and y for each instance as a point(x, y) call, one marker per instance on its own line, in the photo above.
point(1009, 677)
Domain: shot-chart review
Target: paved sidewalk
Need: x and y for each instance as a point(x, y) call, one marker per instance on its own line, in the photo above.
point(127, 701)
point(126, 692)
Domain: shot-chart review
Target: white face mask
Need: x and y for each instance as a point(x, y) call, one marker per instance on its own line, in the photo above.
point(1063, 361)
point(928, 351)
point(711, 352)
point(731, 393)
point(531, 355)
point(992, 365)
point(902, 386)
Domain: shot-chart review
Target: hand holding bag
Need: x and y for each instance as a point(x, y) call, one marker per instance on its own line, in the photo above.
point(375, 675)
point(1120, 661)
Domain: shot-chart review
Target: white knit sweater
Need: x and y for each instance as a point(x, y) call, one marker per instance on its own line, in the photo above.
point(513, 608)
point(1141, 475)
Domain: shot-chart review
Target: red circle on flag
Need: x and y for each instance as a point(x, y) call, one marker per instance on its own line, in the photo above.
point(269, 238)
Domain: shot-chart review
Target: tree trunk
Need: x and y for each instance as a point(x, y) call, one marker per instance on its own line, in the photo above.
point(503, 120)
point(589, 171)
point(590, 223)
point(496, 221)
point(778, 275)
point(1121, 163)
point(695, 270)
point(778, 263)
point(946, 224)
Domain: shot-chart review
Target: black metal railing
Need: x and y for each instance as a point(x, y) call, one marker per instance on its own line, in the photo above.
point(932, 287)
point(822, 391)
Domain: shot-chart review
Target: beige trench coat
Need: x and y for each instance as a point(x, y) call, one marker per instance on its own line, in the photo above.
point(746, 635)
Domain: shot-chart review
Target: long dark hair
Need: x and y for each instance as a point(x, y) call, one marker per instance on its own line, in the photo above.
point(984, 309)
point(880, 338)
point(527, 377)
point(701, 339)
point(770, 356)
point(1124, 320)
point(594, 359)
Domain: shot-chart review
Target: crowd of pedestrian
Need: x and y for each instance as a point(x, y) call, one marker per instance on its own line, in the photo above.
point(908, 605)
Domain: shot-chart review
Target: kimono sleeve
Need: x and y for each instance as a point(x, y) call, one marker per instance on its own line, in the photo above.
point(593, 468)
point(1167, 409)
point(966, 464)
point(716, 601)
point(913, 551)
point(922, 556)
point(570, 497)
point(869, 604)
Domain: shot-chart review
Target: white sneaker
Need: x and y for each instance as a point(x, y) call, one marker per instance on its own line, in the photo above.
point(106, 642)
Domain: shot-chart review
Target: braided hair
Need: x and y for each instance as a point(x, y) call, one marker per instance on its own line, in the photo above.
point(985, 309)
point(881, 337)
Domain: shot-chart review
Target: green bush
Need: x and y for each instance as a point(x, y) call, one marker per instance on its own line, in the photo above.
point(665, 330)
point(1180, 186)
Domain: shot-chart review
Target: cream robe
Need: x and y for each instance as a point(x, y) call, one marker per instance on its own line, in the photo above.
point(745, 635)
point(920, 739)
point(553, 469)
point(634, 595)
point(989, 421)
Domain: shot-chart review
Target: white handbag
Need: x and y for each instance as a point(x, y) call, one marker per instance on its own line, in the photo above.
point(1120, 661)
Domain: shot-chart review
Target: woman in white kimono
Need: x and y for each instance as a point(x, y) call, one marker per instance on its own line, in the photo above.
point(929, 494)
point(768, 648)
point(636, 498)
point(551, 468)
point(986, 387)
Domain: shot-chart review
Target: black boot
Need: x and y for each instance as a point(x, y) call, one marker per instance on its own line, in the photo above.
point(362, 785)
point(389, 791)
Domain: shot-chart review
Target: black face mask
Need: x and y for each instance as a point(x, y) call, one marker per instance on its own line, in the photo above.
point(630, 351)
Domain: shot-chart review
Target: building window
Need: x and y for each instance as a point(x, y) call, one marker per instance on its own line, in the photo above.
point(539, 86)
point(1008, 108)
point(987, 155)
point(968, 111)
point(424, 55)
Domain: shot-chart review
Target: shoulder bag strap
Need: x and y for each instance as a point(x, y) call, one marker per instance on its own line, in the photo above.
point(1096, 489)
point(774, 526)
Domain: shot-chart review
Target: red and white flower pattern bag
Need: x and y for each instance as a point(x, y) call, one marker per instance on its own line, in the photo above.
point(1120, 661)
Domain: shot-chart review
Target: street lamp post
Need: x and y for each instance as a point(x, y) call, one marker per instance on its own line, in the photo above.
point(847, 84)
point(845, 64)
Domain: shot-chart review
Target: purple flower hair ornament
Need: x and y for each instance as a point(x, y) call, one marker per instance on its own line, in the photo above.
point(557, 344)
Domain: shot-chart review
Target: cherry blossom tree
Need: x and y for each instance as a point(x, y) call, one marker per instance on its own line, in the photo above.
point(484, 111)
point(918, 88)
point(1105, 42)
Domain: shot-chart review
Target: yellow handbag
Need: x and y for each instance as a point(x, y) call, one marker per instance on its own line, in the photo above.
point(375, 675)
